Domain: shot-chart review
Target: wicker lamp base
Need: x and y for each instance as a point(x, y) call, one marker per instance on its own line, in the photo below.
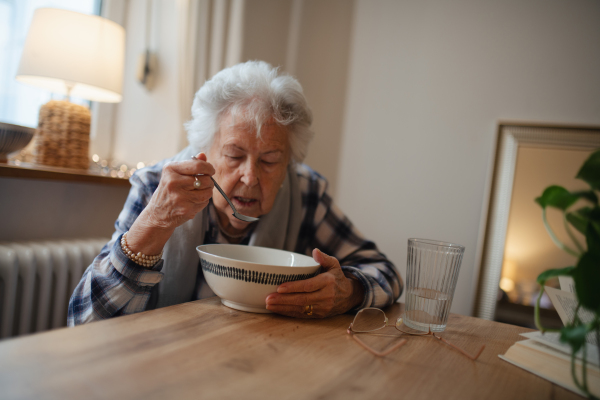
point(62, 138)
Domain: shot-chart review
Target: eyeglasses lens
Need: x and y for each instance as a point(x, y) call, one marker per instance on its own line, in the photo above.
point(368, 319)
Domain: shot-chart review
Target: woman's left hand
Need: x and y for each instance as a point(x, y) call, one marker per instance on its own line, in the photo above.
point(329, 293)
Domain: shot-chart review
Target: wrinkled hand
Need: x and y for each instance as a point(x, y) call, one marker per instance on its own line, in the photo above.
point(330, 293)
point(176, 200)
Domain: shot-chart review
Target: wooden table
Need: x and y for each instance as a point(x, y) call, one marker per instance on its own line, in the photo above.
point(203, 349)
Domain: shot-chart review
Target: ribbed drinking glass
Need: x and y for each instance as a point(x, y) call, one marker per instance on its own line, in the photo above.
point(432, 272)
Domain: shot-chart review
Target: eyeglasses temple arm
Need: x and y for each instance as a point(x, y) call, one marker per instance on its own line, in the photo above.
point(372, 351)
point(475, 357)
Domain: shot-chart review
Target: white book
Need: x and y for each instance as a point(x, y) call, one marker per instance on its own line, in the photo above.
point(551, 364)
point(552, 339)
point(565, 304)
point(545, 355)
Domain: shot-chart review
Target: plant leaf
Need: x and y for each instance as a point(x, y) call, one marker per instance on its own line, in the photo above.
point(587, 280)
point(589, 195)
point(590, 170)
point(592, 236)
point(580, 218)
point(595, 214)
point(551, 273)
point(574, 335)
point(557, 197)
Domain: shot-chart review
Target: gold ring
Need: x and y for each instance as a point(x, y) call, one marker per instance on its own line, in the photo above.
point(197, 183)
point(308, 310)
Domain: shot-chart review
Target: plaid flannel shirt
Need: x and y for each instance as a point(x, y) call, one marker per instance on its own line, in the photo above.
point(114, 285)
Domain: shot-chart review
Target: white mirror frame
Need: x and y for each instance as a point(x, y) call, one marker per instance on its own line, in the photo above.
point(511, 137)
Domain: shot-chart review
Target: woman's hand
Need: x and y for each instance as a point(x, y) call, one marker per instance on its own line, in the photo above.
point(329, 293)
point(175, 201)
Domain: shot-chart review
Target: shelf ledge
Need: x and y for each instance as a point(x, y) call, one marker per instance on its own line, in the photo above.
point(36, 171)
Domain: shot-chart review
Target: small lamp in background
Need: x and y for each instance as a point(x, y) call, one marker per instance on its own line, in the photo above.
point(76, 55)
point(509, 278)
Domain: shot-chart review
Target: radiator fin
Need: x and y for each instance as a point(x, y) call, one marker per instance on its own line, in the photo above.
point(37, 280)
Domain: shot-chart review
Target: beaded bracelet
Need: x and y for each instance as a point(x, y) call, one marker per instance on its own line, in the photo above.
point(139, 258)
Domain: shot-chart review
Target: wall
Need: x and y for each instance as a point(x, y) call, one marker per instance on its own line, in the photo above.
point(322, 69)
point(266, 31)
point(32, 209)
point(309, 39)
point(147, 123)
point(428, 82)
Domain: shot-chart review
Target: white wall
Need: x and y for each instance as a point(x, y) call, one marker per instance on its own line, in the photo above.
point(428, 82)
point(32, 209)
point(266, 31)
point(322, 69)
point(148, 125)
point(309, 39)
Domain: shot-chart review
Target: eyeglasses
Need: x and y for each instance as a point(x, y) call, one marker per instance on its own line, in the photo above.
point(370, 320)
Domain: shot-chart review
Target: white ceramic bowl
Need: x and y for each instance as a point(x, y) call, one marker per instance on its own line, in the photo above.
point(243, 276)
point(13, 138)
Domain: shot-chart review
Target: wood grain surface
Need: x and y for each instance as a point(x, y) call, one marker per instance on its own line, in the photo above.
point(203, 349)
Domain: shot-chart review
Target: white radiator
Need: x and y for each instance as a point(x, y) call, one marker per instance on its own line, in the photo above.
point(37, 280)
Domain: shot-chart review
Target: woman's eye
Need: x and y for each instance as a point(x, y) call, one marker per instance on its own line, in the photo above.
point(234, 157)
point(271, 160)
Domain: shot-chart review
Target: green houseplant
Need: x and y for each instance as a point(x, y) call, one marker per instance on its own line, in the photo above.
point(586, 272)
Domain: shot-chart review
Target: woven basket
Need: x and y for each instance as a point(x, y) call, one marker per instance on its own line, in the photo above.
point(62, 138)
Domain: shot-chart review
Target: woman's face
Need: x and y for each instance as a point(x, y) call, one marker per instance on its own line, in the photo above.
point(249, 169)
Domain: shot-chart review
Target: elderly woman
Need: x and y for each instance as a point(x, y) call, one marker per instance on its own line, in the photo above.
point(250, 131)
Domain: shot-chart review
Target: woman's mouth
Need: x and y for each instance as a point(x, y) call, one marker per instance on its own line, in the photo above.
point(244, 201)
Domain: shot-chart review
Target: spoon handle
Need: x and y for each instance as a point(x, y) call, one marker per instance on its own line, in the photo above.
point(224, 195)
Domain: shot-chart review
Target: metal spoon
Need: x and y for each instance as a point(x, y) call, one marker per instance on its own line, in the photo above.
point(236, 214)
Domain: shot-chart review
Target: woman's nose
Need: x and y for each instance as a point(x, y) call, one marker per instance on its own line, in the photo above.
point(250, 174)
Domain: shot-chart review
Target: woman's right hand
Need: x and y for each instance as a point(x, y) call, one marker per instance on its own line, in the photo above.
point(175, 201)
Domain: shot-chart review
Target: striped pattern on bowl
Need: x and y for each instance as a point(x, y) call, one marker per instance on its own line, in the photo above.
point(13, 138)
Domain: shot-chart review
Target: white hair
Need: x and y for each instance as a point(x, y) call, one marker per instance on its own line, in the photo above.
point(252, 92)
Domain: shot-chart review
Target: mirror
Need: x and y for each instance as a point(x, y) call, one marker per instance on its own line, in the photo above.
point(516, 247)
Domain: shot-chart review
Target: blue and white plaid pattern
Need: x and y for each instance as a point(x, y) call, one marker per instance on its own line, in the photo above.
point(114, 285)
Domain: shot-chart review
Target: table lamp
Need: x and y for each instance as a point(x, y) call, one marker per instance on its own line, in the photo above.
point(76, 55)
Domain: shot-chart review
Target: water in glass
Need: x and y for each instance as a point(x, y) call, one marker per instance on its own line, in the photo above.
point(432, 273)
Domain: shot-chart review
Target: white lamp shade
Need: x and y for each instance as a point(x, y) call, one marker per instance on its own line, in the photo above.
point(84, 51)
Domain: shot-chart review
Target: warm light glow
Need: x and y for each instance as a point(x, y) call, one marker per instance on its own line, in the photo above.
point(140, 165)
point(96, 158)
point(506, 284)
point(509, 277)
point(510, 269)
point(65, 48)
